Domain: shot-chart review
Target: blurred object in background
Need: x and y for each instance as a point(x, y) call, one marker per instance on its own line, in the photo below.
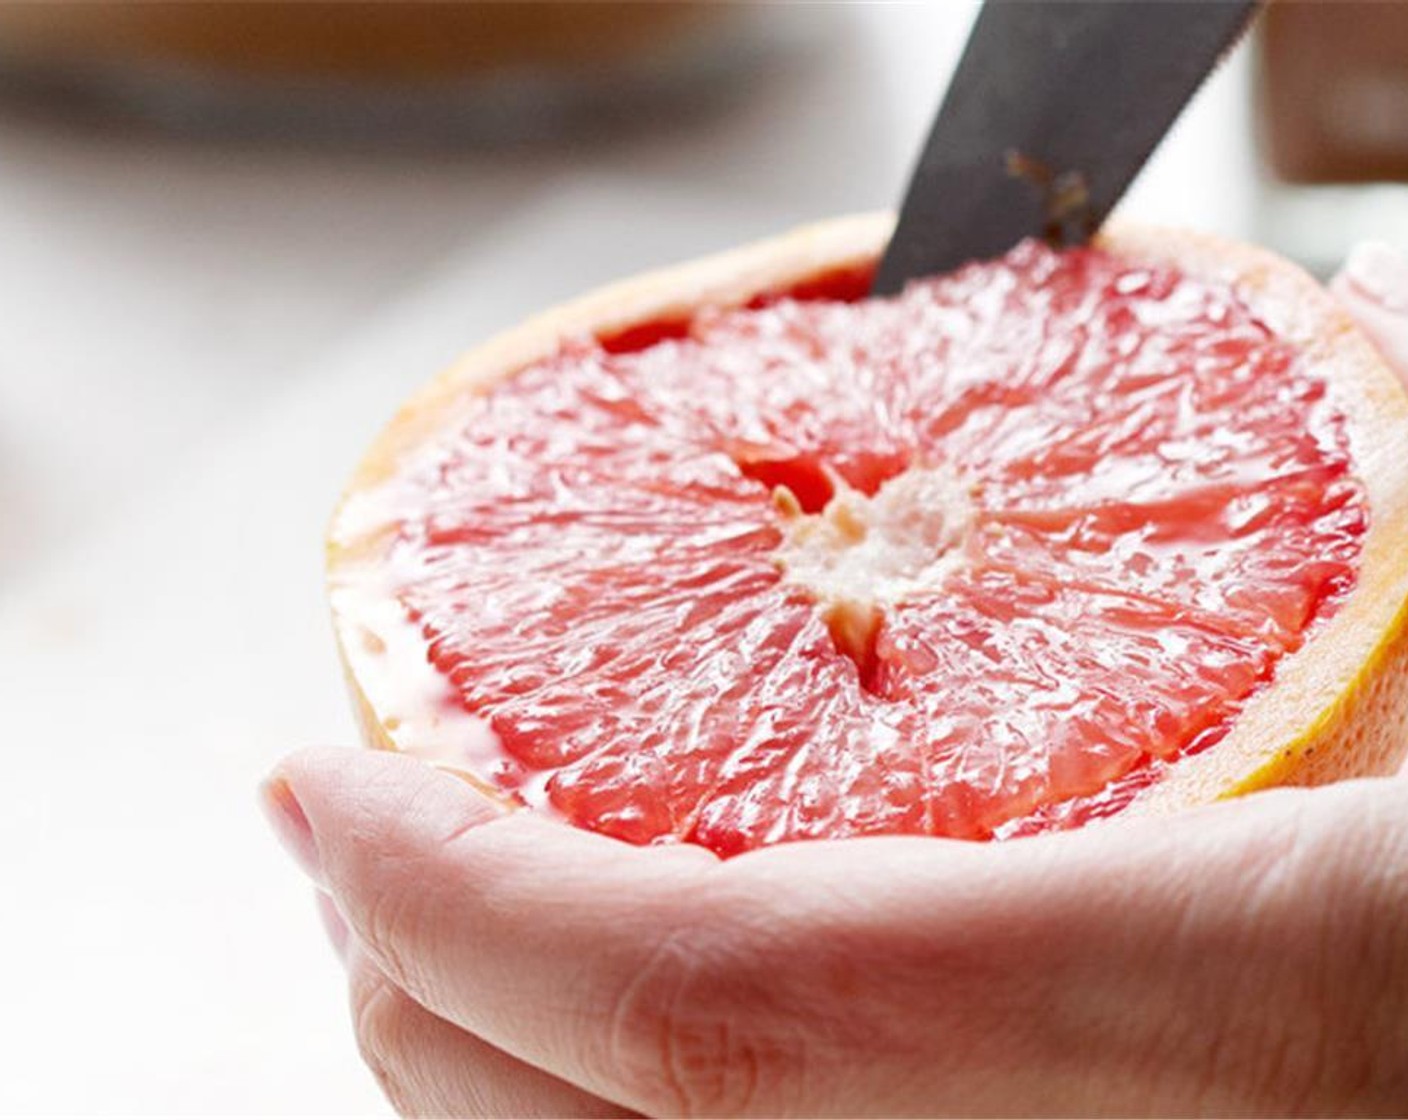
point(1334, 80)
point(1332, 124)
point(439, 72)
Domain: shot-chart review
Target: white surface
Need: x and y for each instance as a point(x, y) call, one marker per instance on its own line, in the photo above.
point(195, 348)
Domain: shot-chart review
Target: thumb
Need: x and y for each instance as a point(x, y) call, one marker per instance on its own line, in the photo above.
point(347, 819)
point(520, 930)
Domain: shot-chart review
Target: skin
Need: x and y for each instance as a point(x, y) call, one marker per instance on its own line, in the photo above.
point(1246, 958)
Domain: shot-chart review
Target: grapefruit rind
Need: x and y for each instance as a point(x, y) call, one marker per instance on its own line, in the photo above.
point(1337, 708)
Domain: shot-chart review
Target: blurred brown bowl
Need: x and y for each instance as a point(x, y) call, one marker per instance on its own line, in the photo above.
point(390, 41)
point(395, 73)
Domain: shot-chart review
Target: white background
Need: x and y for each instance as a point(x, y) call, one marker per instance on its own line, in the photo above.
point(195, 344)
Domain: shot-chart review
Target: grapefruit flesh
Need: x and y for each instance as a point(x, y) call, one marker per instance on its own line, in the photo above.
point(985, 559)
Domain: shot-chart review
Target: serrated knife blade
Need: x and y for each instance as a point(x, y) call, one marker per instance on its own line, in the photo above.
point(1052, 110)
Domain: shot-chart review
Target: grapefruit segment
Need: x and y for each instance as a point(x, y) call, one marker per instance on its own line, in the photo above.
point(1061, 535)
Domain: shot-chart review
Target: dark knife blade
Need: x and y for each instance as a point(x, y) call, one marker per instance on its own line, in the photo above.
point(1054, 107)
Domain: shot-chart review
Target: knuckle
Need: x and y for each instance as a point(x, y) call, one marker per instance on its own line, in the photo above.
point(1365, 951)
point(391, 922)
point(397, 911)
point(698, 1031)
point(1333, 996)
point(378, 1018)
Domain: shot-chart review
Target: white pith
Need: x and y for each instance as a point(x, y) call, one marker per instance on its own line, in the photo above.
point(862, 554)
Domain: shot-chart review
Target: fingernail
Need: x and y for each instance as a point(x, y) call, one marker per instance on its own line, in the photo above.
point(291, 825)
point(333, 923)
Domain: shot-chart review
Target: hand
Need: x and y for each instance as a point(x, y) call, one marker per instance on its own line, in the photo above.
point(1249, 957)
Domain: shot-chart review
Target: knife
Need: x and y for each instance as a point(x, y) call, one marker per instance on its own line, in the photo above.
point(1053, 109)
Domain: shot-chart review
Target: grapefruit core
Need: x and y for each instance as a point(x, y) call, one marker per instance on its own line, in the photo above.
point(735, 555)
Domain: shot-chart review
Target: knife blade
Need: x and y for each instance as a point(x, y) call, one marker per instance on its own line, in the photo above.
point(1052, 110)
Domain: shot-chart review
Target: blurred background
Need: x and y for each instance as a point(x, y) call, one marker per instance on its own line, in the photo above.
point(232, 238)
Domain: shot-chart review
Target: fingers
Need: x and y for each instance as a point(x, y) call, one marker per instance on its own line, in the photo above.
point(778, 982)
point(428, 1067)
point(526, 933)
point(662, 979)
point(890, 975)
point(1373, 287)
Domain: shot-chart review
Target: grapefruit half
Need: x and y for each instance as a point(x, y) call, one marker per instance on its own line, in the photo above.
point(733, 554)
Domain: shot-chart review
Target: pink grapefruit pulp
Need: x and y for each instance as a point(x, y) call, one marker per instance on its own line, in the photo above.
point(734, 555)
